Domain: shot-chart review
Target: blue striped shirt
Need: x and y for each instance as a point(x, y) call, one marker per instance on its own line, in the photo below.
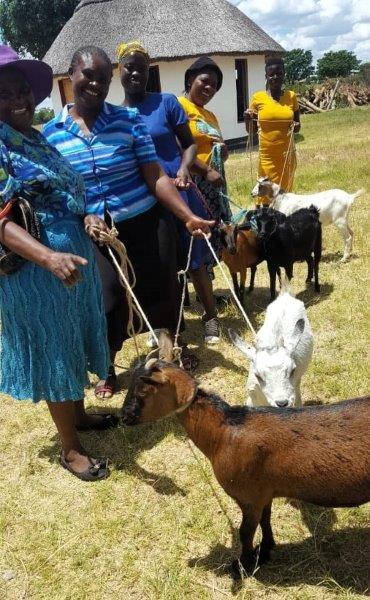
point(108, 159)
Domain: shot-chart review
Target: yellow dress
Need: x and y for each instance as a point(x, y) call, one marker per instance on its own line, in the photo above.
point(274, 121)
point(204, 128)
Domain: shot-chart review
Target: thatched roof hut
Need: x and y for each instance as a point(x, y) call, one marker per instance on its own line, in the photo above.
point(170, 29)
point(174, 32)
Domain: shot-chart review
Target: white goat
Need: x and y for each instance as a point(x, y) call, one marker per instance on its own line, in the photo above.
point(333, 206)
point(281, 356)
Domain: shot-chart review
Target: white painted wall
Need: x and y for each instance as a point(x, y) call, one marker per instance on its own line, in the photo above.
point(224, 102)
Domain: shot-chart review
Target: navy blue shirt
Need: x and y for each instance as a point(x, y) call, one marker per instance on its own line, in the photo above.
point(162, 113)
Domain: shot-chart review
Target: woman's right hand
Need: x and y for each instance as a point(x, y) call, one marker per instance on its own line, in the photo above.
point(249, 114)
point(214, 178)
point(65, 266)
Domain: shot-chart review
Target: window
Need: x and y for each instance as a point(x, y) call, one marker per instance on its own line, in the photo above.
point(154, 81)
point(241, 75)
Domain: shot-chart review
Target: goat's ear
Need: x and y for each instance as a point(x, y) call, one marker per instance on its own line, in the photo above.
point(296, 335)
point(165, 345)
point(245, 348)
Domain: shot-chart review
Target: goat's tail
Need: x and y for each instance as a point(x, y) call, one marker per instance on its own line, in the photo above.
point(357, 194)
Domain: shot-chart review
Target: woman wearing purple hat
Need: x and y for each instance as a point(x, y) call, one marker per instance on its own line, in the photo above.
point(53, 328)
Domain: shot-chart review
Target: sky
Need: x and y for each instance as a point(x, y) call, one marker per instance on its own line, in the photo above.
point(316, 25)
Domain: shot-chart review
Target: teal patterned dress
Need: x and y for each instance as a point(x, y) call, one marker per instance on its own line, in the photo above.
point(51, 335)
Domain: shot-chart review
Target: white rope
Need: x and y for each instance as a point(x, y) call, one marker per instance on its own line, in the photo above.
point(177, 350)
point(289, 151)
point(239, 304)
point(124, 269)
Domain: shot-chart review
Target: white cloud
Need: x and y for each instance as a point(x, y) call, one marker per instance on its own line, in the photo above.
point(317, 25)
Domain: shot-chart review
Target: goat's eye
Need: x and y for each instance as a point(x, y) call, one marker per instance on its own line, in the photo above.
point(292, 372)
point(259, 378)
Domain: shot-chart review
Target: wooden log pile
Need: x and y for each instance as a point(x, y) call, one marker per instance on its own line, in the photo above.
point(328, 95)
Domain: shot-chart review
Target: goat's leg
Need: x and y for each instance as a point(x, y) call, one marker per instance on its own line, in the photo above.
point(234, 277)
point(316, 269)
point(253, 276)
point(347, 235)
point(243, 277)
point(272, 272)
point(248, 558)
point(268, 542)
point(310, 269)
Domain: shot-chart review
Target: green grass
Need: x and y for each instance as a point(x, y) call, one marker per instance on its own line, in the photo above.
point(160, 527)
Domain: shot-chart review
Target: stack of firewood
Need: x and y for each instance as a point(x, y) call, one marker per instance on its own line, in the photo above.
point(326, 96)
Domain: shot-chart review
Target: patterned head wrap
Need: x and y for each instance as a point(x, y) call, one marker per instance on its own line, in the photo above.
point(125, 49)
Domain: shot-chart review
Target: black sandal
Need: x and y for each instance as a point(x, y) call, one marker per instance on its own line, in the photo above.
point(108, 420)
point(98, 470)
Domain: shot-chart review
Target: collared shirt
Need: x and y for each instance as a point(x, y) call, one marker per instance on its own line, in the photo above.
point(109, 159)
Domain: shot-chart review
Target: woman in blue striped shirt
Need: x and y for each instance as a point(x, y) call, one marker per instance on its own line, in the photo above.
point(111, 148)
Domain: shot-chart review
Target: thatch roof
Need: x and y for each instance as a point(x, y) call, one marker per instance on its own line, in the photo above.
point(170, 29)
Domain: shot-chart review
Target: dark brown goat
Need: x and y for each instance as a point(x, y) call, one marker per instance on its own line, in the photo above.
point(318, 454)
point(240, 252)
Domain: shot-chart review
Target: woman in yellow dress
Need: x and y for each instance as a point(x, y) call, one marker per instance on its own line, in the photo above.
point(276, 113)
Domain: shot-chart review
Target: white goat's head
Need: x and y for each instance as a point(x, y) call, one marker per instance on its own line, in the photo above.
point(272, 369)
point(265, 187)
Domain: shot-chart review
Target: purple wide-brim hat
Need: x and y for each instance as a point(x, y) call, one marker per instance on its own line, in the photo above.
point(38, 74)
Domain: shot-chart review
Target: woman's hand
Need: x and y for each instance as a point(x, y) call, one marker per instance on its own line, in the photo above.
point(214, 177)
point(93, 226)
point(296, 126)
point(65, 266)
point(249, 115)
point(197, 226)
point(183, 179)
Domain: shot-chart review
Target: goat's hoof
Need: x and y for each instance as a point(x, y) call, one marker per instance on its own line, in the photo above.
point(318, 289)
point(238, 570)
point(344, 259)
point(250, 290)
point(265, 553)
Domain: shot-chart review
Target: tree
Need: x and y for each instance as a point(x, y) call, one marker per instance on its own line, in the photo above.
point(337, 64)
point(32, 25)
point(298, 64)
point(365, 72)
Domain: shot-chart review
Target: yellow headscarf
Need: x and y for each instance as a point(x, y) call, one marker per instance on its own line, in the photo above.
point(135, 46)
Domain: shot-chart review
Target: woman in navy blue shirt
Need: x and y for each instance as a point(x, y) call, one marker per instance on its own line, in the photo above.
point(167, 123)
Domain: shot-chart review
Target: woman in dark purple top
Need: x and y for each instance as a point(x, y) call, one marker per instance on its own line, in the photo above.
point(168, 125)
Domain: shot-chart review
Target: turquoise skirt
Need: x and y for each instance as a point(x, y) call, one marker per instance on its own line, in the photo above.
point(51, 335)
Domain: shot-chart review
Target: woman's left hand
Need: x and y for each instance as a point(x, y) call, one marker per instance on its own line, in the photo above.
point(197, 226)
point(93, 226)
point(183, 179)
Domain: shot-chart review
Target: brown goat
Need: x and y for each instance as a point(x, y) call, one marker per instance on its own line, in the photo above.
point(318, 454)
point(240, 252)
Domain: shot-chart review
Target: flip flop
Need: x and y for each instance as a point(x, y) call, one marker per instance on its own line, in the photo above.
point(108, 420)
point(98, 470)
